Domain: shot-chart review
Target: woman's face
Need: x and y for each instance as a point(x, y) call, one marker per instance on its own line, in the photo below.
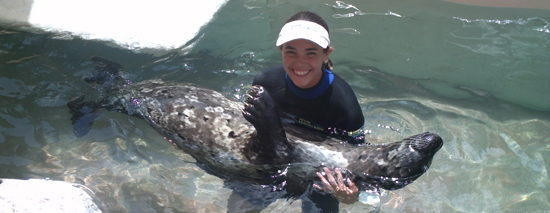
point(303, 61)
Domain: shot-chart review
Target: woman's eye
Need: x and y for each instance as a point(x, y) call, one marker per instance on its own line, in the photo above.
point(311, 53)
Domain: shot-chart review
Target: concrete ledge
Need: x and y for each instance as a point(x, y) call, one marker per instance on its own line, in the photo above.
point(162, 24)
point(36, 195)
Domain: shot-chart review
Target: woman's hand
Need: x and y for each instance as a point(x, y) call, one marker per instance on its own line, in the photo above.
point(346, 194)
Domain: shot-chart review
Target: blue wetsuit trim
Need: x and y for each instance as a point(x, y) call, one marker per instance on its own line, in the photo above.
point(326, 81)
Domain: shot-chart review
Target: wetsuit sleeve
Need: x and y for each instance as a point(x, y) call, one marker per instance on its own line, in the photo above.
point(350, 121)
point(271, 78)
point(260, 79)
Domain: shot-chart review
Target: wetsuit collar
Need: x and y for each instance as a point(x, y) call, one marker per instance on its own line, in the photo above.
point(316, 91)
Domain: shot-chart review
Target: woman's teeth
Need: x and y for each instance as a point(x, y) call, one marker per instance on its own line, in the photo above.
point(301, 72)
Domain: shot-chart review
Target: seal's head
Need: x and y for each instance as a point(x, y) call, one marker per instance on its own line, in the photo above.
point(415, 153)
point(398, 164)
point(426, 143)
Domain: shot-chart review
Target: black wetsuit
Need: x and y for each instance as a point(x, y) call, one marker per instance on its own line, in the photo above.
point(330, 106)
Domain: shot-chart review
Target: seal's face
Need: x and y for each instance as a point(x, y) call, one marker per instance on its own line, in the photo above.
point(414, 153)
point(426, 143)
point(303, 60)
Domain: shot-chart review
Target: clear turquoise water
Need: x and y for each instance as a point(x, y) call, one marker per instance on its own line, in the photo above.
point(477, 76)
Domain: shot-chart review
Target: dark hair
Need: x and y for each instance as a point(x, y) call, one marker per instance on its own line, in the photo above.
point(309, 16)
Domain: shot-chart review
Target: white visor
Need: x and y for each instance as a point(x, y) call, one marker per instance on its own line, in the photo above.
point(304, 30)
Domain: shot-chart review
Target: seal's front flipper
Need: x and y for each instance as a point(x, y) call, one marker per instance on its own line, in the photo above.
point(261, 111)
point(84, 114)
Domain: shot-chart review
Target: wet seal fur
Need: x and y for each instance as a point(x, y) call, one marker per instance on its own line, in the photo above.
point(248, 142)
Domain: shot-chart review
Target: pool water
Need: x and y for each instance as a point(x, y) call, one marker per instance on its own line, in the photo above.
point(477, 76)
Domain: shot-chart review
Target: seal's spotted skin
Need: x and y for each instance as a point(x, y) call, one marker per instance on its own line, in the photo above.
point(249, 143)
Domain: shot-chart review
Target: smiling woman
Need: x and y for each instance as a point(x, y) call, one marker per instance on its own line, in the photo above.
point(305, 82)
point(302, 60)
point(311, 96)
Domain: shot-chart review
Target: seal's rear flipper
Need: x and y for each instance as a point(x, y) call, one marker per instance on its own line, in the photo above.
point(107, 74)
point(107, 78)
point(109, 66)
point(83, 115)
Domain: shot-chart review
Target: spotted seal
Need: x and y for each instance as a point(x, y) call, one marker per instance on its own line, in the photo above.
point(247, 141)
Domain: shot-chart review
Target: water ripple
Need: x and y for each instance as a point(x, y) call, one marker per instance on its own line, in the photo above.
point(357, 11)
point(509, 40)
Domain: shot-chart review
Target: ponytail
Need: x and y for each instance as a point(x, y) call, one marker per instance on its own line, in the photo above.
point(328, 65)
